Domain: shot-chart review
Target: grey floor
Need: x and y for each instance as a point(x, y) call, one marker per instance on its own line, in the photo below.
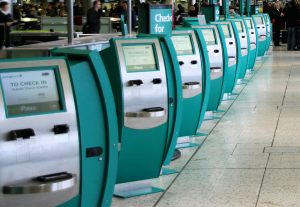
point(251, 157)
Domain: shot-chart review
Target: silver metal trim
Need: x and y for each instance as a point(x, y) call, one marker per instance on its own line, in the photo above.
point(191, 87)
point(37, 187)
point(190, 72)
point(144, 114)
point(147, 95)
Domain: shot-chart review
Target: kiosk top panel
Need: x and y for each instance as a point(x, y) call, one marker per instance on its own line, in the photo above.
point(239, 26)
point(31, 92)
point(183, 44)
point(226, 30)
point(139, 58)
point(209, 36)
point(249, 23)
point(258, 19)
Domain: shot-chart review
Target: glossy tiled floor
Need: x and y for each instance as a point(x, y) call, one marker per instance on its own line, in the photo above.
point(251, 157)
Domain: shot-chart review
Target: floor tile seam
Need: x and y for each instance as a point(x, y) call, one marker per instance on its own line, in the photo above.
point(196, 151)
point(280, 111)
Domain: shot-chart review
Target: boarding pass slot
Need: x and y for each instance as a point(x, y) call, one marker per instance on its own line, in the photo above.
point(43, 184)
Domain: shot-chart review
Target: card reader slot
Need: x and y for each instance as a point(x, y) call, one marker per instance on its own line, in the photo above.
point(43, 184)
point(216, 51)
point(231, 57)
point(21, 133)
point(61, 129)
point(54, 177)
point(181, 63)
point(156, 81)
point(231, 43)
point(194, 62)
point(215, 68)
point(191, 85)
point(252, 32)
point(135, 82)
point(152, 112)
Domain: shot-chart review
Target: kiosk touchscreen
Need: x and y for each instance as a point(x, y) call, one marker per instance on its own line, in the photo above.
point(230, 45)
point(253, 42)
point(217, 64)
point(241, 33)
point(194, 82)
point(42, 137)
point(261, 33)
point(139, 72)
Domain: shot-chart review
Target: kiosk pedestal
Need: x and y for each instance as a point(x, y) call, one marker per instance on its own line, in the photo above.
point(261, 33)
point(147, 91)
point(242, 33)
point(253, 42)
point(218, 64)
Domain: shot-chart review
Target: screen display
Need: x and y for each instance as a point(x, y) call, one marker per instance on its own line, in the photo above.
point(239, 26)
point(139, 58)
point(249, 24)
point(209, 36)
point(258, 20)
point(226, 31)
point(182, 44)
point(28, 92)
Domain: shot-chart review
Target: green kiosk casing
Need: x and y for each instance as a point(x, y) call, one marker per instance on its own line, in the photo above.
point(194, 71)
point(269, 30)
point(218, 63)
point(78, 149)
point(147, 91)
point(253, 38)
point(242, 36)
point(260, 23)
point(232, 48)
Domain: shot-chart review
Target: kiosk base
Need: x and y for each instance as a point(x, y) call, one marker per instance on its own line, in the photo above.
point(168, 171)
point(200, 134)
point(213, 116)
point(184, 142)
point(133, 189)
point(228, 97)
point(241, 82)
point(235, 94)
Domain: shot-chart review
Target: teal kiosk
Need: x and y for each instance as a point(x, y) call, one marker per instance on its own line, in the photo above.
point(269, 31)
point(58, 122)
point(253, 37)
point(241, 32)
point(146, 82)
point(194, 70)
point(230, 44)
point(260, 23)
point(145, 77)
point(218, 63)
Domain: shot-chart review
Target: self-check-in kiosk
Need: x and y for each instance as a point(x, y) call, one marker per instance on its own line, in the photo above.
point(269, 31)
point(217, 64)
point(194, 70)
point(241, 32)
point(261, 33)
point(58, 144)
point(231, 47)
point(253, 42)
point(148, 96)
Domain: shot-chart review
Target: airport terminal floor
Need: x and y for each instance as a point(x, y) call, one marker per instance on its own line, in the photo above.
point(251, 157)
